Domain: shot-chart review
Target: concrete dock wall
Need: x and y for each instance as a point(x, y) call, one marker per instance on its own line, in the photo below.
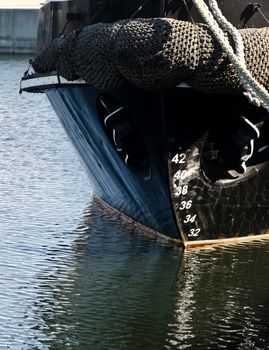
point(18, 29)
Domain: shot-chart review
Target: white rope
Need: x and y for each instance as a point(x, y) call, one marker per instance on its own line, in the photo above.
point(239, 47)
point(256, 92)
point(228, 27)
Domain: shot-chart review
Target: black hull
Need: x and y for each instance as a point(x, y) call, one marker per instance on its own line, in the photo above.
point(209, 209)
point(166, 159)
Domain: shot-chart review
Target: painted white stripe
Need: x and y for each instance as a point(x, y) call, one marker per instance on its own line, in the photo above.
point(113, 113)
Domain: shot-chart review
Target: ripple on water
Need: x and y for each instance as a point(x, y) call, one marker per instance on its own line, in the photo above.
point(73, 278)
point(225, 294)
point(39, 204)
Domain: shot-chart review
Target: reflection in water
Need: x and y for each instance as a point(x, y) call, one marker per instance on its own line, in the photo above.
point(70, 286)
point(222, 299)
point(124, 292)
point(120, 294)
point(40, 204)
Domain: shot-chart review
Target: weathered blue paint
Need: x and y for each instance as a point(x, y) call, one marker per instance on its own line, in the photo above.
point(142, 197)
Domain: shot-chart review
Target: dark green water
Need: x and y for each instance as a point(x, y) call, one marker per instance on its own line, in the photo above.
point(73, 278)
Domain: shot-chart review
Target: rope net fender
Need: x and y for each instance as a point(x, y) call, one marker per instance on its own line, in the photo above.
point(156, 53)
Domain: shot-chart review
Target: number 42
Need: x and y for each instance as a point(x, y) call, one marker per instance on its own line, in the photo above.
point(179, 158)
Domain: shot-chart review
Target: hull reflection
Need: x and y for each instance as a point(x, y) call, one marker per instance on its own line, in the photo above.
point(130, 293)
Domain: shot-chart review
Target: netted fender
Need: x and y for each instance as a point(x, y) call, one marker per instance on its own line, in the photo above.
point(153, 54)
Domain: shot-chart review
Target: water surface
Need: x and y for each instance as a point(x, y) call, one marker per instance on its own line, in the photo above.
point(72, 277)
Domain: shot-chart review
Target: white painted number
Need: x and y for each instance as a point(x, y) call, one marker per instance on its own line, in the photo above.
point(184, 189)
point(179, 158)
point(180, 175)
point(189, 218)
point(194, 232)
point(185, 205)
point(181, 190)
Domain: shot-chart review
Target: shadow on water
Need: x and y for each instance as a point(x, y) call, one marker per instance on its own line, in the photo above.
point(121, 291)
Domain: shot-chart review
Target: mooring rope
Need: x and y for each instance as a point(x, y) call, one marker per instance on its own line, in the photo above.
point(228, 27)
point(262, 14)
point(255, 92)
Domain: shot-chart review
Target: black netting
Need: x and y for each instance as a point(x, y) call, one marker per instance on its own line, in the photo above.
point(153, 54)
